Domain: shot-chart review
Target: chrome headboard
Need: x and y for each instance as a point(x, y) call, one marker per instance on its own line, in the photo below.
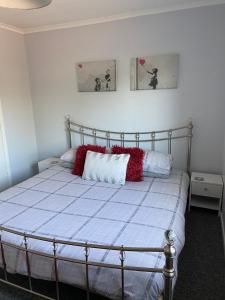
point(169, 135)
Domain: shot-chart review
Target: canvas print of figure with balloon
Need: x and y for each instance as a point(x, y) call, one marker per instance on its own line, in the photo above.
point(99, 76)
point(154, 72)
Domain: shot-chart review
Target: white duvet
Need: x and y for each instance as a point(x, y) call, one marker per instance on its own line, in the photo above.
point(58, 204)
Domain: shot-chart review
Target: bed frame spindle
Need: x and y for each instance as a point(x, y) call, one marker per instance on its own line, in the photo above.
point(137, 138)
point(122, 139)
point(82, 135)
point(169, 141)
point(56, 269)
point(108, 139)
point(87, 252)
point(27, 261)
point(94, 136)
point(122, 259)
point(68, 131)
point(153, 141)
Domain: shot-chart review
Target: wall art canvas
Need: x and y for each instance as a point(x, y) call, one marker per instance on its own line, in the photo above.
point(98, 76)
point(154, 72)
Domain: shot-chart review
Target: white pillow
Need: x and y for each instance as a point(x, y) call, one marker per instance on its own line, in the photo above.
point(109, 168)
point(157, 164)
point(69, 155)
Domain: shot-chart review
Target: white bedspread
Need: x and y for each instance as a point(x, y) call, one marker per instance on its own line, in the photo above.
point(58, 204)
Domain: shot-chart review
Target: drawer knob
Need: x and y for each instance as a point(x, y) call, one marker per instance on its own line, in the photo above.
point(205, 189)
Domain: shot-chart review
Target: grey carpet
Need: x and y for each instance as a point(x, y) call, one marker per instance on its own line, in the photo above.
point(201, 265)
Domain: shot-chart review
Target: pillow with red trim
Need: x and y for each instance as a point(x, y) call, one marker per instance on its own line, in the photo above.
point(81, 156)
point(135, 164)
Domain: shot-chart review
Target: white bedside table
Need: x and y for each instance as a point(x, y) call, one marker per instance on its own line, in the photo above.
point(206, 191)
point(47, 163)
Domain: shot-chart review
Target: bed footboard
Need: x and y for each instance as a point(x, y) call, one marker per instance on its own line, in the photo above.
point(167, 271)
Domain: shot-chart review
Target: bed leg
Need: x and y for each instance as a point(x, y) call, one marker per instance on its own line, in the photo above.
point(168, 272)
point(68, 129)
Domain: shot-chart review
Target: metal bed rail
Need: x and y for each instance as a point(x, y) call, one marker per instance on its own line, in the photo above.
point(168, 270)
point(146, 137)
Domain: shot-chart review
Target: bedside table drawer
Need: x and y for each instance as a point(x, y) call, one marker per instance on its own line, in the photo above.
point(205, 189)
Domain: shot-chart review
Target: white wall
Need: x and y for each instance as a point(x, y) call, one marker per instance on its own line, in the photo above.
point(17, 105)
point(5, 174)
point(196, 34)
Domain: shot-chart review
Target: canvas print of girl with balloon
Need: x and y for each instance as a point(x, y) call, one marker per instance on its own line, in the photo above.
point(97, 76)
point(154, 72)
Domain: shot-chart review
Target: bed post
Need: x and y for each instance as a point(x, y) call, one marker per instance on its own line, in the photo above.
point(168, 271)
point(190, 126)
point(68, 129)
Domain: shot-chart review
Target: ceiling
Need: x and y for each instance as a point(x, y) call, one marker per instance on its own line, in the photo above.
point(72, 13)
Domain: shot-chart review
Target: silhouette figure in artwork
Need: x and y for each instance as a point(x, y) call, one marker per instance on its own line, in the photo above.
point(108, 80)
point(154, 80)
point(97, 84)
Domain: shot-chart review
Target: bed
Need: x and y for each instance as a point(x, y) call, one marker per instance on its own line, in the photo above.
point(105, 238)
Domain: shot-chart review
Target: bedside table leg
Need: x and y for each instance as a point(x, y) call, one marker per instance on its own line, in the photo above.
point(220, 207)
point(189, 200)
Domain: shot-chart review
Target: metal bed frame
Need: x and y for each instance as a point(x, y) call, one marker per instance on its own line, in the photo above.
point(169, 250)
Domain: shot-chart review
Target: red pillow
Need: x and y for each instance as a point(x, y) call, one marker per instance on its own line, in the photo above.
point(135, 164)
point(81, 156)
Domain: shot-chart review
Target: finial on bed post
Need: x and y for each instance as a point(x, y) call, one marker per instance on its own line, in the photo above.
point(168, 271)
point(68, 129)
point(190, 127)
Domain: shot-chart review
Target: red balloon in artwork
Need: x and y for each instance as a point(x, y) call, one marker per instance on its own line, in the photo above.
point(142, 61)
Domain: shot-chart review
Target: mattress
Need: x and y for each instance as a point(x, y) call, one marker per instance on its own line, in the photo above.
point(57, 204)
